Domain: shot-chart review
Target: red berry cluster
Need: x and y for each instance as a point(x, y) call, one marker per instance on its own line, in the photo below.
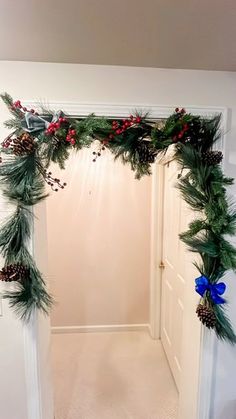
point(181, 133)
point(98, 153)
point(18, 105)
point(119, 128)
point(53, 182)
point(185, 126)
point(71, 136)
point(180, 111)
point(7, 142)
point(54, 126)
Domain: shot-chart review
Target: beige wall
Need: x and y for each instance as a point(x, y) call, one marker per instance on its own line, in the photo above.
point(133, 86)
point(99, 243)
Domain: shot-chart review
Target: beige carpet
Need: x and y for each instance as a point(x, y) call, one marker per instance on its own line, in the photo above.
point(121, 375)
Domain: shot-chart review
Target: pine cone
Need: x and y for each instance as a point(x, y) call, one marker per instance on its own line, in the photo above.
point(146, 152)
point(22, 145)
point(206, 315)
point(13, 272)
point(212, 157)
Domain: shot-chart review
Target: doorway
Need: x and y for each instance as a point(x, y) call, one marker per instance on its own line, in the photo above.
point(105, 363)
point(196, 401)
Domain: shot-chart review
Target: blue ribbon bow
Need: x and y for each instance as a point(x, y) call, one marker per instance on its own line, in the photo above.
point(216, 290)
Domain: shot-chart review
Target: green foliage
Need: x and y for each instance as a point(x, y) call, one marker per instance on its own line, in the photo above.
point(138, 143)
point(16, 112)
point(224, 330)
point(56, 151)
point(127, 148)
point(30, 294)
point(14, 233)
point(90, 128)
point(21, 180)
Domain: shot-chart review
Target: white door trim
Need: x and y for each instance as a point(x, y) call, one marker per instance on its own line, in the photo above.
point(156, 112)
point(33, 388)
point(208, 342)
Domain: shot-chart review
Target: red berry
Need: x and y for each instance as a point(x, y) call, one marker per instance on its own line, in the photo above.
point(115, 125)
point(111, 136)
point(131, 117)
point(176, 109)
point(17, 104)
point(118, 131)
point(72, 132)
point(72, 141)
point(183, 110)
point(138, 119)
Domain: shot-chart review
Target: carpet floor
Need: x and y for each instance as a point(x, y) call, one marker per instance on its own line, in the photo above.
point(115, 375)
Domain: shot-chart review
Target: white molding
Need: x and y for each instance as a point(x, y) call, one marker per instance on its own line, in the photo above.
point(114, 110)
point(208, 341)
point(33, 388)
point(156, 251)
point(206, 371)
point(101, 328)
point(32, 358)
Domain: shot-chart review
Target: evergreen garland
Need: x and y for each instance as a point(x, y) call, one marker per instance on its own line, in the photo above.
point(37, 140)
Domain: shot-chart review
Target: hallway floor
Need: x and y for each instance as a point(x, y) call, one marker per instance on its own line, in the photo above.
point(119, 375)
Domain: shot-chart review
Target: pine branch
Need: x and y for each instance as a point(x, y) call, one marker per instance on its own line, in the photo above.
point(29, 295)
point(224, 330)
point(21, 180)
point(14, 233)
point(16, 112)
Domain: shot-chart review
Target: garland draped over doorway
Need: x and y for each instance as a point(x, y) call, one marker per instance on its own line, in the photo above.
point(36, 140)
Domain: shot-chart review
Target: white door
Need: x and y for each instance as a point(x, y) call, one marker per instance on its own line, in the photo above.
point(177, 274)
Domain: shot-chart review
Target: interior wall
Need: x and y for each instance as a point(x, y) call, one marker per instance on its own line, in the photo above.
point(143, 86)
point(99, 243)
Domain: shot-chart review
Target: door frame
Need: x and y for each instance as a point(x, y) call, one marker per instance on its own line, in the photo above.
point(35, 359)
point(208, 343)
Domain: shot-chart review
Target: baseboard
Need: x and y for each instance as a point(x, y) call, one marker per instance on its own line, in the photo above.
point(101, 328)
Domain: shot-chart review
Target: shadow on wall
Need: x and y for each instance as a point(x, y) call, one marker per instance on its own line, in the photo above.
point(229, 411)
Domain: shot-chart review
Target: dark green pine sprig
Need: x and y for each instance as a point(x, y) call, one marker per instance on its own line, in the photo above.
point(204, 189)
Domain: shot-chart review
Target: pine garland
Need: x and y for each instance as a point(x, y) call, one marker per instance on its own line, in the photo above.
point(38, 140)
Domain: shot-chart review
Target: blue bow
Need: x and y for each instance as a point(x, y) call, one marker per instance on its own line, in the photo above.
point(216, 290)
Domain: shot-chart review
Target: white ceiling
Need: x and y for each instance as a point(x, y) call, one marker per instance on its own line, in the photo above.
point(194, 34)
